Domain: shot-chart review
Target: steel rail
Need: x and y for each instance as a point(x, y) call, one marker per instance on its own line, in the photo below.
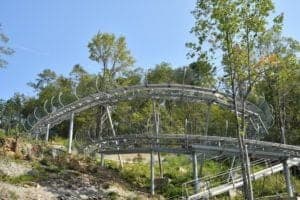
point(174, 92)
point(173, 143)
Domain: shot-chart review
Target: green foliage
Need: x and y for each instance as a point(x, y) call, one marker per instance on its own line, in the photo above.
point(60, 140)
point(2, 134)
point(113, 195)
point(111, 52)
point(137, 174)
point(45, 78)
point(4, 49)
point(19, 179)
point(269, 185)
point(162, 73)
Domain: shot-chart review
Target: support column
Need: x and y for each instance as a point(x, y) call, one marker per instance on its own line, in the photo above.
point(36, 137)
point(47, 132)
point(157, 120)
point(114, 132)
point(195, 172)
point(287, 177)
point(71, 133)
point(102, 160)
point(248, 172)
point(152, 186)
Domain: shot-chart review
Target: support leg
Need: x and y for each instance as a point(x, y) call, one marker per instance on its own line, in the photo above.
point(195, 172)
point(161, 173)
point(102, 160)
point(156, 121)
point(287, 177)
point(152, 172)
point(113, 131)
point(71, 133)
point(248, 171)
point(47, 132)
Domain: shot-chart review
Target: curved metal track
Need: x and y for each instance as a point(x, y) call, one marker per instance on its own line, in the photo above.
point(154, 91)
point(181, 143)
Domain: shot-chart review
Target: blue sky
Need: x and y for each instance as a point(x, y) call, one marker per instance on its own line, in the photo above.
point(54, 33)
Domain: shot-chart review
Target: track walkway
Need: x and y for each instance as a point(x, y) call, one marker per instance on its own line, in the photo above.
point(236, 183)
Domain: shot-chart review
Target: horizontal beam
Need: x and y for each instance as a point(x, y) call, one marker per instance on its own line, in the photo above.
point(145, 150)
point(192, 143)
point(236, 151)
point(209, 144)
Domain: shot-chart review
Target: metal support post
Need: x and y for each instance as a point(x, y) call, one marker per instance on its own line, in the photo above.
point(113, 131)
point(195, 172)
point(287, 177)
point(71, 133)
point(248, 172)
point(157, 120)
point(47, 132)
point(152, 187)
point(102, 160)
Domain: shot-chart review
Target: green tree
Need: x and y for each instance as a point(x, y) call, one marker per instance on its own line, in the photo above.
point(162, 73)
point(46, 77)
point(4, 49)
point(280, 84)
point(231, 27)
point(77, 72)
point(12, 113)
point(111, 53)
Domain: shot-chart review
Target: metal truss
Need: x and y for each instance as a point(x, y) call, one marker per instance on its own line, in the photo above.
point(187, 144)
point(174, 92)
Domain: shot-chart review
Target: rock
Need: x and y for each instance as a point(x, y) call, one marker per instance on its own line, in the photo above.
point(83, 196)
point(11, 168)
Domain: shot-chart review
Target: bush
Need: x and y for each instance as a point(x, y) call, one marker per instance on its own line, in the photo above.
point(113, 195)
point(2, 133)
point(137, 174)
point(171, 191)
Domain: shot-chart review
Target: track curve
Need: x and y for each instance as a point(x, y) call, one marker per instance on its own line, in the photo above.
point(174, 92)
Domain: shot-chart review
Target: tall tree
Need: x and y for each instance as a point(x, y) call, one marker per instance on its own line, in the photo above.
point(46, 77)
point(12, 113)
point(77, 72)
point(280, 84)
point(4, 49)
point(231, 27)
point(111, 52)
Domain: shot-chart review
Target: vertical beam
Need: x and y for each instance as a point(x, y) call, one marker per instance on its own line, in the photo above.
point(110, 121)
point(113, 131)
point(152, 173)
point(207, 118)
point(102, 160)
point(287, 177)
point(248, 173)
point(36, 136)
point(47, 132)
point(195, 172)
point(286, 169)
point(157, 120)
point(71, 133)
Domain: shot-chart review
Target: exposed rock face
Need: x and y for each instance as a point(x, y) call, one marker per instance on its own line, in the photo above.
point(53, 174)
point(14, 169)
point(13, 192)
